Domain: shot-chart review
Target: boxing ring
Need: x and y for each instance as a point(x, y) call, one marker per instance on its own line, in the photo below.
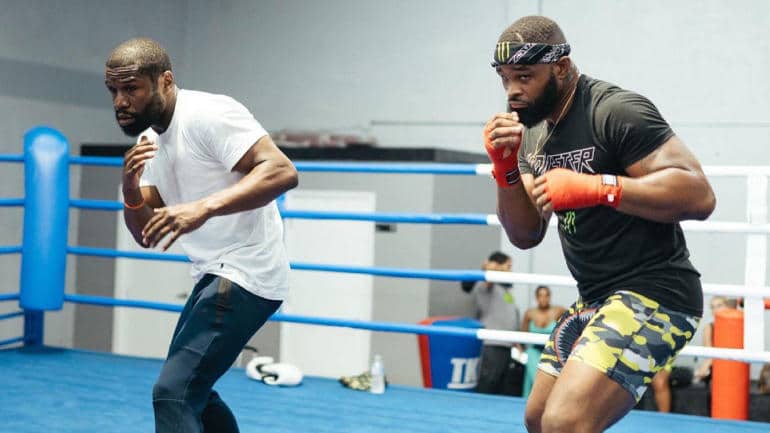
point(64, 390)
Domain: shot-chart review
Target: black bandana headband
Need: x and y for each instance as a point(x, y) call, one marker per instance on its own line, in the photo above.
point(514, 53)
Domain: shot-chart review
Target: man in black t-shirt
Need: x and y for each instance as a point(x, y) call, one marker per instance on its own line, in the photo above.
point(620, 181)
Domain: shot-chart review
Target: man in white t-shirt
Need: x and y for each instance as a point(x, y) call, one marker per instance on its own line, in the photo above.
point(204, 172)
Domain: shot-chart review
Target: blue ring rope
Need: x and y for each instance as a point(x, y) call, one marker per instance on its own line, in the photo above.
point(11, 315)
point(447, 275)
point(328, 166)
point(96, 204)
point(309, 166)
point(384, 167)
point(11, 341)
point(105, 161)
point(454, 331)
point(9, 297)
point(10, 249)
point(11, 158)
point(112, 302)
point(10, 202)
point(387, 217)
point(141, 255)
point(281, 317)
point(380, 217)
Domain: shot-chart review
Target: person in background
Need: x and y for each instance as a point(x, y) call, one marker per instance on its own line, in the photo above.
point(541, 320)
point(661, 383)
point(763, 384)
point(703, 372)
point(661, 387)
point(496, 309)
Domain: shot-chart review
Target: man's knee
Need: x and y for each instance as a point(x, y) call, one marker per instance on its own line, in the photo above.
point(168, 388)
point(564, 420)
point(532, 417)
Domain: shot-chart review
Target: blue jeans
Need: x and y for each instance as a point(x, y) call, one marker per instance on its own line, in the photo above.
point(218, 320)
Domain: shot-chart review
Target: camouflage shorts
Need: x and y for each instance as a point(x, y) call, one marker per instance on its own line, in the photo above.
point(627, 336)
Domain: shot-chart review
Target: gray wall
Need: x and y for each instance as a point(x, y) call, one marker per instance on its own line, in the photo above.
point(410, 73)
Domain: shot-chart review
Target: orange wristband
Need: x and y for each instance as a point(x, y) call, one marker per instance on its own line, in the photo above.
point(135, 206)
point(570, 190)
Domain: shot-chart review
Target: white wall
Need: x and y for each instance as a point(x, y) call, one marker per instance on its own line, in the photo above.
point(701, 62)
point(347, 63)
point(356, 63)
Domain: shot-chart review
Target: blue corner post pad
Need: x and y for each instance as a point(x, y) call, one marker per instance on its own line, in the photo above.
point(46, 211)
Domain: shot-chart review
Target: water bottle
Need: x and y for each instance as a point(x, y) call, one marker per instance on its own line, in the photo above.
point(378, 376)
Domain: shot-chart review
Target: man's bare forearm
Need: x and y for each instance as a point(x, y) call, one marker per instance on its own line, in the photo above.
point(136, 219)
point(522, 223)
point(258, 188)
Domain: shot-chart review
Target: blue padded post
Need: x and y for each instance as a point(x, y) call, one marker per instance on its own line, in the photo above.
point(46, 210)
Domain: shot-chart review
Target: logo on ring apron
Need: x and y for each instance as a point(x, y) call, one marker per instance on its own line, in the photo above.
point(465, 372)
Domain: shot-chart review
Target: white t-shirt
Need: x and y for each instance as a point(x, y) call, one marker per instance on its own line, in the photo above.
point(207, 136)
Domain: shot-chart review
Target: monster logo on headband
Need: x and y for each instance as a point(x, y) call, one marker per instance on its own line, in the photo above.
point(514, 53)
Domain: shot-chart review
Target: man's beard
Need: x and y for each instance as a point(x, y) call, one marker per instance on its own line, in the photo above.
point(152, 114)
point(541, 107)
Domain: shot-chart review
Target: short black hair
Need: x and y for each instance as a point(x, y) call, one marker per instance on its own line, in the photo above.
point(146, 53)
point(539, 288)
point(499, 257)
point(535, 29)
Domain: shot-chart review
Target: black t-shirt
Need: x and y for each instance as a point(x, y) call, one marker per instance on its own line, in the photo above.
point(606, 130)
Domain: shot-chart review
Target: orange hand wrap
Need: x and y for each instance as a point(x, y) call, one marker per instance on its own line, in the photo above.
point(570, 190)
point(505, 162)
